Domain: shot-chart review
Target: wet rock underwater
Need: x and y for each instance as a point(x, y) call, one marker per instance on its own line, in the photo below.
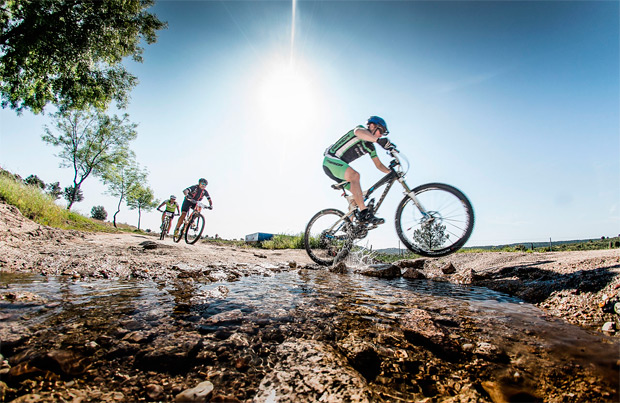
point(283, 333)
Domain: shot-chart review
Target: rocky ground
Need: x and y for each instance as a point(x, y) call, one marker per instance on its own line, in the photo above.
point(428, 355)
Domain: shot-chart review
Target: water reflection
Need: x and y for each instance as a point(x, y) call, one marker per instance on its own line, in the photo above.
point(317, 297)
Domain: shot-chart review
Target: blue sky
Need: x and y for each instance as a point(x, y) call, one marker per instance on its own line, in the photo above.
point(515, 103)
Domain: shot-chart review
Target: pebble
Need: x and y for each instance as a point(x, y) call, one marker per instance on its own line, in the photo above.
point(609, 327)
point(199, 393)
point(155, 392)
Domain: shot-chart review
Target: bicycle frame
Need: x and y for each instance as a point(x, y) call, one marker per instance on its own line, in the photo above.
point(389, 179)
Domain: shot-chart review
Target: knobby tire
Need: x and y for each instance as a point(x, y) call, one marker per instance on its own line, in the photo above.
point(454, 217)
point(199, 221)
point(322, 250)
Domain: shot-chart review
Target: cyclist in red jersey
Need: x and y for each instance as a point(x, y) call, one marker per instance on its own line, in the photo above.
point(193, 195)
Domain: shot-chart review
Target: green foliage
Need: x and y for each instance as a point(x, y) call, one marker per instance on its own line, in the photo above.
point(34, 180)
point(98, 213)
point(142, 198)
point(90, 142)
point(282, 241)
point(431, 236)
point(391, 258)
point(73, 195)
point(122, 178)
point(54, 190)
point(69, 52)
point(40, 207)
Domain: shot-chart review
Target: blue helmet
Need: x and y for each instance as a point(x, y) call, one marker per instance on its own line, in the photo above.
point(378, 121)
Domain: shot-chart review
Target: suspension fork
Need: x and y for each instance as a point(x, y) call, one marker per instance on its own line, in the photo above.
point(409, 193)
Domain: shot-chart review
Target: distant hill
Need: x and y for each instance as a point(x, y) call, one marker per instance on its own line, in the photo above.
point(562, 245)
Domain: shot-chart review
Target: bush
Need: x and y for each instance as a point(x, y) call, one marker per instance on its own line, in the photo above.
point(282, 241)
point(98, 213)
point(34, 180)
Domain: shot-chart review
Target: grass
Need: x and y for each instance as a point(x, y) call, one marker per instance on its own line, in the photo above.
point(282, 241)
point(40, 207)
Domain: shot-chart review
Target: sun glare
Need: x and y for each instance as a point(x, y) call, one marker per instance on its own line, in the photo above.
point(286, 98)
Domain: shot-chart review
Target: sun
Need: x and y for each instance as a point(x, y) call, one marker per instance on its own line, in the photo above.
point(286, 97)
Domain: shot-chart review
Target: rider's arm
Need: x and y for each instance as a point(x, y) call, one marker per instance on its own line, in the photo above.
point(364, 134)
point(158, 207)
point(380, 165)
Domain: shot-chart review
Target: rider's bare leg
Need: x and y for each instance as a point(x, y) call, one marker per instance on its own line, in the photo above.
point(353, 177)
point(181, 218)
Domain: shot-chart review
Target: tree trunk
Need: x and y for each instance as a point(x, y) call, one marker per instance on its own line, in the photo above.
point(139, 216)
point(118, 209)
point(75, 190)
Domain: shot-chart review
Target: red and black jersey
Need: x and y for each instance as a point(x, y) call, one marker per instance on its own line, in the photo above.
point(196, 193)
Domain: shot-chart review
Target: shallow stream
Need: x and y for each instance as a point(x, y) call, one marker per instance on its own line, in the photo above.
point(464, 340)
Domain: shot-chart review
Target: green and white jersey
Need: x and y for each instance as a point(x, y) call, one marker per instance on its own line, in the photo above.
point(350, 147)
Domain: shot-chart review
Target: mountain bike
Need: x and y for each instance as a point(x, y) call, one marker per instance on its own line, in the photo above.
point(165, 225)
point(432, 220)
point(192, 226)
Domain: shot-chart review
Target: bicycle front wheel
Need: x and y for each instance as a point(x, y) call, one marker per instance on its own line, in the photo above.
point(194, 229)
point(164, 228)
point(178, 235)
point(446, 226)
point(327, 237)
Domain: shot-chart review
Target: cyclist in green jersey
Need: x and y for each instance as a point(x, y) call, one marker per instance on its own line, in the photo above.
point(351, 146)
point(171, 206)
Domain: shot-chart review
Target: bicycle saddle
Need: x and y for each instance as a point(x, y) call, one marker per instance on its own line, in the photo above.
point(340, 186)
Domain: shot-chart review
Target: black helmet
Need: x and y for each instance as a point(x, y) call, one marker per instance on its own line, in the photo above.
point(202, 180)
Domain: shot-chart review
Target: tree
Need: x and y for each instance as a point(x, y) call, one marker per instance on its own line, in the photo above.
point(98, 213)
point(54, 190)
point(69, 52)
point(141, 198)
point(121, 180)
point(90, 142)
point(431, 236)
point(73, 196)
point(34, 180)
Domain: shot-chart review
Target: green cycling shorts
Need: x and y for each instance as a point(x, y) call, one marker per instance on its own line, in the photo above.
point(335, 169)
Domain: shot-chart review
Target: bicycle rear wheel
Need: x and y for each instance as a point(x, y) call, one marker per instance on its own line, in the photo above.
point(446, 227)
point(194, 229)
point(327, 236)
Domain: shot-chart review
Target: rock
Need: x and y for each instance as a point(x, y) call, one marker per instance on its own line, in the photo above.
point(467, 276)
point(200, 393)
point(382, 271)
point(292, 264)
point(171, 352)
point(448, 269)
point(148, 245)
point(311, 371)
point(3, 389)
point(339, 268)
point(155, 392)
point(30, 398)
point(362, 355)
point(413, 274)
point(420, 328)
point(490, 352)
point(260, 255)
point(414, 264)
point(609, 327)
